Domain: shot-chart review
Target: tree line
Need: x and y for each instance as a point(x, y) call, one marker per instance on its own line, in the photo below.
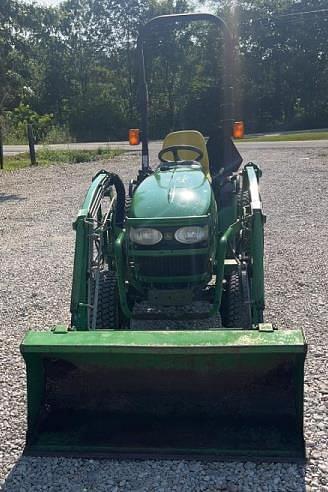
point(72, 70)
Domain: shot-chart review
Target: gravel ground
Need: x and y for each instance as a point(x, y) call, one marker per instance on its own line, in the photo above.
point(37, 207)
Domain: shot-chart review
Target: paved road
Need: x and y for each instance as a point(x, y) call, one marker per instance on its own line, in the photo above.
point(155, 146)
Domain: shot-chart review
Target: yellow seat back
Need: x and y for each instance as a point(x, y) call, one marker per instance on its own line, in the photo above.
point(188, 137)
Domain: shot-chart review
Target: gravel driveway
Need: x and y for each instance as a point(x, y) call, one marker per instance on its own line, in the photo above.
point(37, 207)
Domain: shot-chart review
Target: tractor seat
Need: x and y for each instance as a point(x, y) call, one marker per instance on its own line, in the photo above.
point(189, 137)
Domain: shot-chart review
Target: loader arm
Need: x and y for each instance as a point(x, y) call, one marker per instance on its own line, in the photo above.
point(88, 229)
point(257, 241)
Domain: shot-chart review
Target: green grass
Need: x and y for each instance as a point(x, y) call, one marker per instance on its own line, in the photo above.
point(289, 137)
point(46, 157)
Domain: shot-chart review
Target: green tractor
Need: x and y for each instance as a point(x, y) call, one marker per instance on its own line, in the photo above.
point(185, 243)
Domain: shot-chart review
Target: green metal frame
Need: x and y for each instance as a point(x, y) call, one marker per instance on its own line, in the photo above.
point(123, 250)
point(257, 220)
point(168, 342)
point(82, 226)
point(220, 257)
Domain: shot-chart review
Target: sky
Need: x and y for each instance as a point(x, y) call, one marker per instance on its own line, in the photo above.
point(46, 2)
point(56, 2)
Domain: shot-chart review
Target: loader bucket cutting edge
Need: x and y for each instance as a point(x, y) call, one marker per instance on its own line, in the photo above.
point(224, 393)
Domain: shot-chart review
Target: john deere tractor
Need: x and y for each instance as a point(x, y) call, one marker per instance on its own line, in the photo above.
point(184, 242)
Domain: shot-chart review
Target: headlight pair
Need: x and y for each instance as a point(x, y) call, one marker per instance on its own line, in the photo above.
point(147, 236)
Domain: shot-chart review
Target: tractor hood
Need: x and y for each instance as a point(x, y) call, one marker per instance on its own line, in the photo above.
point(180, 191)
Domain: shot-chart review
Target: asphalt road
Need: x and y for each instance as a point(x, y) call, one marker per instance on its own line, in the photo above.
point(156, 145)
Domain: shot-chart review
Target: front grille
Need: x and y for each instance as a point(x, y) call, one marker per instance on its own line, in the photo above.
point(172, 265)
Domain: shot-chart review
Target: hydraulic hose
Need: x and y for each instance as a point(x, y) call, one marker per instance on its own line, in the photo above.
point(116, 181)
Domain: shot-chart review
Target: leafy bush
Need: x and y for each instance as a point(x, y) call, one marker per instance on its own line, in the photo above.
point(57, 134)
point(23, 115)
point(14, 126)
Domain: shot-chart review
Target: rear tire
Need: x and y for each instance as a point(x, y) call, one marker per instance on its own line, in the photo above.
point(109, 313)
point(236, 308)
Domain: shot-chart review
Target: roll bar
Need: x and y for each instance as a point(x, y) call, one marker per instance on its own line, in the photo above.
point(227, 82)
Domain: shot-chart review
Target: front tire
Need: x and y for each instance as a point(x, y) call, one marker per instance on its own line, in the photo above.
point(109, 314)
point(236, 307)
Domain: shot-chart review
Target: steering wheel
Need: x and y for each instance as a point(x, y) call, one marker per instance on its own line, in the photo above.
point(175, 151)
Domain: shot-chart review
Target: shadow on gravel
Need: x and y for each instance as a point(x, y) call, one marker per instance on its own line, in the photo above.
point(76, 475)
point(11, 198)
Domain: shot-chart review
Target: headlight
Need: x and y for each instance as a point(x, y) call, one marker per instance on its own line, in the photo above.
point(145, 236)
point(191, 234)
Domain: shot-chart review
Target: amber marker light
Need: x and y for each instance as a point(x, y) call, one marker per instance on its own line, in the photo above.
point(238, 129)
point(134, 136)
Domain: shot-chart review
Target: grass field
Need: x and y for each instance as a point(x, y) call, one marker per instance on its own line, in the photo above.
point(284, 137)
point(46, 157)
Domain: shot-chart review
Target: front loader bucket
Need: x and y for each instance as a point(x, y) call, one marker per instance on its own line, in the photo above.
point(226, 393)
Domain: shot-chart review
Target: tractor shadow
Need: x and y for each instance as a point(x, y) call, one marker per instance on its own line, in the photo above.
point(11, 198)
point(59, 474)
